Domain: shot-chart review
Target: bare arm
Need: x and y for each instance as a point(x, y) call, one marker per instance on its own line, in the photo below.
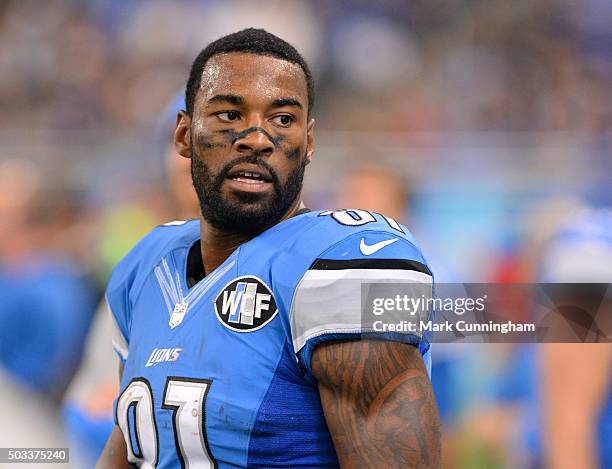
point(574, 380)
point(114, 455)
point(378, 404)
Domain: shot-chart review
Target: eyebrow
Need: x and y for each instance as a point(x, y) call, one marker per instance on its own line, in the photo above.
point(286, 102)
point(226, 98)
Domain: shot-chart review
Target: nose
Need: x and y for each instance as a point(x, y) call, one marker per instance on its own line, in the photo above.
point(254, 140)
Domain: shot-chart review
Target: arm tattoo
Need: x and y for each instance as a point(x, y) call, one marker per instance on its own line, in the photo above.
point(378, 404)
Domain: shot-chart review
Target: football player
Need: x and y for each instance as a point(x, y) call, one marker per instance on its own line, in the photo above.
point(240, 334)
point(575, 379)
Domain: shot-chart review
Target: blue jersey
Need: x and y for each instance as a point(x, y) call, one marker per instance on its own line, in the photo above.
point(218, 375)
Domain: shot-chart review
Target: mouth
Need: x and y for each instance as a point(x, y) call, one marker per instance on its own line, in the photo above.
point(249, 178)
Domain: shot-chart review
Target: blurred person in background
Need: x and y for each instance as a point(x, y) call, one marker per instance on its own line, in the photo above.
point(47, 300)
point(575, 379)
point(377, 188)
point(498, 414)
point(550, 405)
point(89, 401)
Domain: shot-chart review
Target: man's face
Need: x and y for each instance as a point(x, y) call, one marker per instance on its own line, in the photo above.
point(249, 140)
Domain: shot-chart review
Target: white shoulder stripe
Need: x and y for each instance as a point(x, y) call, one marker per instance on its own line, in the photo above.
point(367, 275)
point(329, 301)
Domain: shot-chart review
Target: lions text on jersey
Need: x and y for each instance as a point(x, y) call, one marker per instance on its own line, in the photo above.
point(218, 374)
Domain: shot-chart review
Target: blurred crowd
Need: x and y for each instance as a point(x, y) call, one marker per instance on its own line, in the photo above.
point(404, 66)
point(489, 121)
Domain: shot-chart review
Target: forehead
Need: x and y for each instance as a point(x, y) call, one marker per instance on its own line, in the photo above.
point(251, 75)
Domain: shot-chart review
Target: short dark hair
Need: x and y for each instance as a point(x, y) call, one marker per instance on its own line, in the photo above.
point(251, 40)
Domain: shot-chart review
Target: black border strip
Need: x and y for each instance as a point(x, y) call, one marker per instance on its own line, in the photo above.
point(398, 264)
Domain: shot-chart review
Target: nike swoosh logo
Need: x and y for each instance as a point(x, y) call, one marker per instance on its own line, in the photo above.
point(369, 249)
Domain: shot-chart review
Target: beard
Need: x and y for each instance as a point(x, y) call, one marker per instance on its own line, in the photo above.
point(251, 213)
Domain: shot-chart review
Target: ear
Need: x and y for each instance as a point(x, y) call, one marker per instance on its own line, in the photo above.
point(182, 134)
point(310, 144)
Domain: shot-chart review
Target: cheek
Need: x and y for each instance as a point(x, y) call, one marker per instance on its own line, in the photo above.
point(291, 151)
point(213, 140)
point(289, 160)
point(279, 142)
point(179, 169)
point(293, 154)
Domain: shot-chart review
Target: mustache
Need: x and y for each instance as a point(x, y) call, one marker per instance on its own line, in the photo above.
point(254, 158)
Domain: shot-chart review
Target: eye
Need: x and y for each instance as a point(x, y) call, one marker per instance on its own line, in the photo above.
point(283, 120)
point(228, 116)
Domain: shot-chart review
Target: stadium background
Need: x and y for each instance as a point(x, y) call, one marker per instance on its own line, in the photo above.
point(480, 124)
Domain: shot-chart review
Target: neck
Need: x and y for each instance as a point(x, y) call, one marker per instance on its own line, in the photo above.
point(217, 245)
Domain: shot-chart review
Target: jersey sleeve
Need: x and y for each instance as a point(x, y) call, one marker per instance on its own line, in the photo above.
point(117, 301)
point(125, 281)
point(330, 298)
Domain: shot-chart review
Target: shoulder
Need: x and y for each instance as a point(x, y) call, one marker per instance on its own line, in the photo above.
point(143, 257)
point(589, 225)
point(129, 275)
point(326, 259)
point(580, 250)
point(356, 236)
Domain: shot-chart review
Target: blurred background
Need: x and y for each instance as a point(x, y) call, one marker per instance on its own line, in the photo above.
point(483, 125)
